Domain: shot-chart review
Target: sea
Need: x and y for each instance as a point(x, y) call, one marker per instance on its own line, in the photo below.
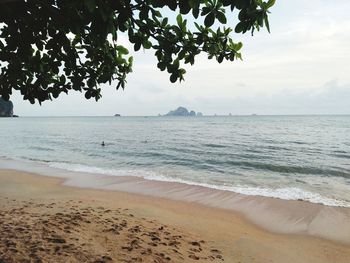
point(287, 157)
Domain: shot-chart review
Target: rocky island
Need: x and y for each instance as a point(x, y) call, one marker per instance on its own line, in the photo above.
point(182, 111)
point(6, 108)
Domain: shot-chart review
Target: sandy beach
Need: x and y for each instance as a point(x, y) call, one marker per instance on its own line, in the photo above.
point(45, 221)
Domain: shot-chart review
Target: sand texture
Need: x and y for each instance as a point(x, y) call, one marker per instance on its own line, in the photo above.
point(73, 232)
point(43, 221)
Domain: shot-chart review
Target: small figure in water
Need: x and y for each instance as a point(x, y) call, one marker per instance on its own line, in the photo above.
point(103, 144)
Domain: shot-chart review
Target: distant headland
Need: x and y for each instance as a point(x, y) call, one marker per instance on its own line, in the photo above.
point(182, 111)
point(6, 108)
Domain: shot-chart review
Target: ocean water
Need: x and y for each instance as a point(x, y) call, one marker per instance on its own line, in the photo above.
point(288, 157)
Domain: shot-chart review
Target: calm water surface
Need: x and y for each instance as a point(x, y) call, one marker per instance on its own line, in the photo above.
point(290, 157)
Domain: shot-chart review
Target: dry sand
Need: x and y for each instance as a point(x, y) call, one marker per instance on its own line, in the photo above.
point(43, 221)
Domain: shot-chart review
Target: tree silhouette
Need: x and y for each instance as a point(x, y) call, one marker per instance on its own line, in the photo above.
point(52, 46)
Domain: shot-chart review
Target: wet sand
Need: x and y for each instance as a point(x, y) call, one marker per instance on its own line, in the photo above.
point(273, 214)
point(42, 220)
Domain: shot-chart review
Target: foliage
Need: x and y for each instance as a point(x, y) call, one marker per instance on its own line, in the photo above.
point(52, 46)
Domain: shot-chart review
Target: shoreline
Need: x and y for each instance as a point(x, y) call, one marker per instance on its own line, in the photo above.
point(226, 231)
point(284, 193)
point(272, 214)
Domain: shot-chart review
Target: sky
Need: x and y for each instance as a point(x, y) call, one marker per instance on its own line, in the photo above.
point(302, 67)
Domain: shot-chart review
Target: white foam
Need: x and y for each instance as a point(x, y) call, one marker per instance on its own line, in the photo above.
point(103, 171)
point(286, 193)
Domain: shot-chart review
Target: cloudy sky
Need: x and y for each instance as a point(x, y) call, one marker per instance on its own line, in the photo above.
point(302, 67)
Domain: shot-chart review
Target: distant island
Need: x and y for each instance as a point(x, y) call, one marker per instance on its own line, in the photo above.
point(182, 111)
point(6, 108)
point(117, 115)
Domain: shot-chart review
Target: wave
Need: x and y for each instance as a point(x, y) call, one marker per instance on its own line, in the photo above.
point(103, 171)
point(36, 160)
point(287, 169)
point(344, 156)
point(39, 148)
point(298, 142)
point(339, 151)
point(213, 145)
point(286, 193)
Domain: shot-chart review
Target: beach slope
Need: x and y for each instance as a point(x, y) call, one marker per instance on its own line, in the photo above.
point(43, 221)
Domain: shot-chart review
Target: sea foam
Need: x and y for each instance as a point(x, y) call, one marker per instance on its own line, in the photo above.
point(286, 193)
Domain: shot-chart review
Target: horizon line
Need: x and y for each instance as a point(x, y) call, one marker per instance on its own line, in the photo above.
point(204, 115)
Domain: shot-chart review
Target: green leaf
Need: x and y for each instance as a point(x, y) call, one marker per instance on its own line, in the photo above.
point(220, 58)
point(122, 50)
point(239, 45)
point(164, 21)
point(161, 66)
point(172, 4)
point(173, 77)
point(221, 17)
point(185, 7)
point(267, 23)
point(270, 3)
point(209, 20)
point(88, 95)
point(241, 26)
point(179, 20)
point(239, 56)
point(62, 79)
point(147, 44)
point(137, 46)
point(195, 12)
